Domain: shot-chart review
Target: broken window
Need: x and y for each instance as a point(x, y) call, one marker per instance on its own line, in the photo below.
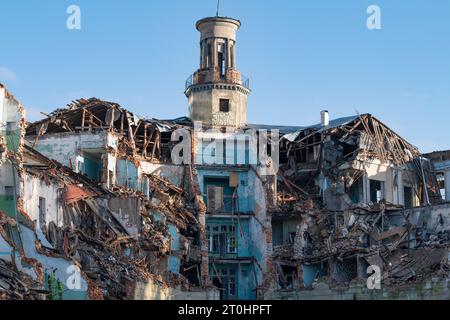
point(408, 195)
point(224, 199)
point(224, 105)
point(9, 193)
point(344, 271)
point(222, 239)
point(10, 127)
point(231, 240)
point(376, 191)
point(225, 279)
point(221, 59)
point(215, 198)
point(277, 233)
point(441, 182)
point(42, 212)
point(232, 283)
point(287, 276)
point(92, 165)
point(292, 237)
point(356, 191)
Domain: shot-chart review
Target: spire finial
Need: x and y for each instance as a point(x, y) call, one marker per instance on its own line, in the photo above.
point(218, 6)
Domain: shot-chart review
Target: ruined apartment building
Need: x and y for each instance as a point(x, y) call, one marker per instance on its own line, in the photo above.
point(93, 188)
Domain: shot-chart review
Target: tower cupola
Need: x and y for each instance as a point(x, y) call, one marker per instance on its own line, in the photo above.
point(217, 92)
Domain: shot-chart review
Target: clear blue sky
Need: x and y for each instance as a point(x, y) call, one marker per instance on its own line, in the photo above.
point(301, 57)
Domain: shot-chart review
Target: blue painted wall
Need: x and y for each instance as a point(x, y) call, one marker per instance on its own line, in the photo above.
point(242, 234)
point(127, 174)
point(244, 275)
point(246, 201)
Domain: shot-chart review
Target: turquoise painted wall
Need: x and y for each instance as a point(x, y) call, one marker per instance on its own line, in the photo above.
point(246, 198)
point(242, 235)
point(127, 174)
point(244, 279)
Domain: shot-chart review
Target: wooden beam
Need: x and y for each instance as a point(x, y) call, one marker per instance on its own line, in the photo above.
point(83, 118)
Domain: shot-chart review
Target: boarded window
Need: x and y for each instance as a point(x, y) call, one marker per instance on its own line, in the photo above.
point(215, 198)
point(234, 179)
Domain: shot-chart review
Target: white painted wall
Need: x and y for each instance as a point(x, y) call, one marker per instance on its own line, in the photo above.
point(9, 110)
point(173, 173)
point(385, 172)
point(7, 177)
point(64, 147)
point(35, 188)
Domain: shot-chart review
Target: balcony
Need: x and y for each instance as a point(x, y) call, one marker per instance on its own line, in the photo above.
point(206, 76)
point(230, 205)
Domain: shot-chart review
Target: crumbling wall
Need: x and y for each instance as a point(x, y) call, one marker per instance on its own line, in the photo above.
point(435, 288)
point(65, 147)
point(152, 290)
point(434, 219)
point(62, 269)
point(35, 188)
point(173, 173)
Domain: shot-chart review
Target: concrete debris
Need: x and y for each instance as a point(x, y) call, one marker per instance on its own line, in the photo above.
point(95, 191)
point(16, 285)
point(354, 194)
point(93, 208)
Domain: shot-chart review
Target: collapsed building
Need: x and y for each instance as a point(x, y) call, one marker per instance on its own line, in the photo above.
point(441, 165)
point(84, 192)
point(93, 205)
point(353, 194)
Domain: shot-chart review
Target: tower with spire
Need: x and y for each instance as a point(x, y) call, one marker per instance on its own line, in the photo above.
point(217, 92)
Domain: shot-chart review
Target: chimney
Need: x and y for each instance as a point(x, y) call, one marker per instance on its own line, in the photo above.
point(324, 118)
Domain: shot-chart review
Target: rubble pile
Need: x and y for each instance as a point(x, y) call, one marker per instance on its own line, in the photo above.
point(321, 186)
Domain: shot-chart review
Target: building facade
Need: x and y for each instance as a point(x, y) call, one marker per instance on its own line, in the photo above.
point(212, 207)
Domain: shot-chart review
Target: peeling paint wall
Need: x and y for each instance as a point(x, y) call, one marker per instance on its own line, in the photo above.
point(34, 188)
point(435, 219)
point(173, 173)
point(7, 173)
point(60, 267)
point(174, 261)
point(260, 227)
point(246, 195)
point(394, 178)
point(65, 147)
point(11, 117)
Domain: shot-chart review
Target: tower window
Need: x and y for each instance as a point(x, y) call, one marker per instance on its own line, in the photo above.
point(221, 60)
point(224, 105)
point(208, 56)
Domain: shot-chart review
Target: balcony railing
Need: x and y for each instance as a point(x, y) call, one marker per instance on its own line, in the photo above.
point(232, 205)
point(189, 81)
point(204, 76)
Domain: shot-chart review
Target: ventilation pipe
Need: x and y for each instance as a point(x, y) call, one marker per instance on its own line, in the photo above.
point(324, 118)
